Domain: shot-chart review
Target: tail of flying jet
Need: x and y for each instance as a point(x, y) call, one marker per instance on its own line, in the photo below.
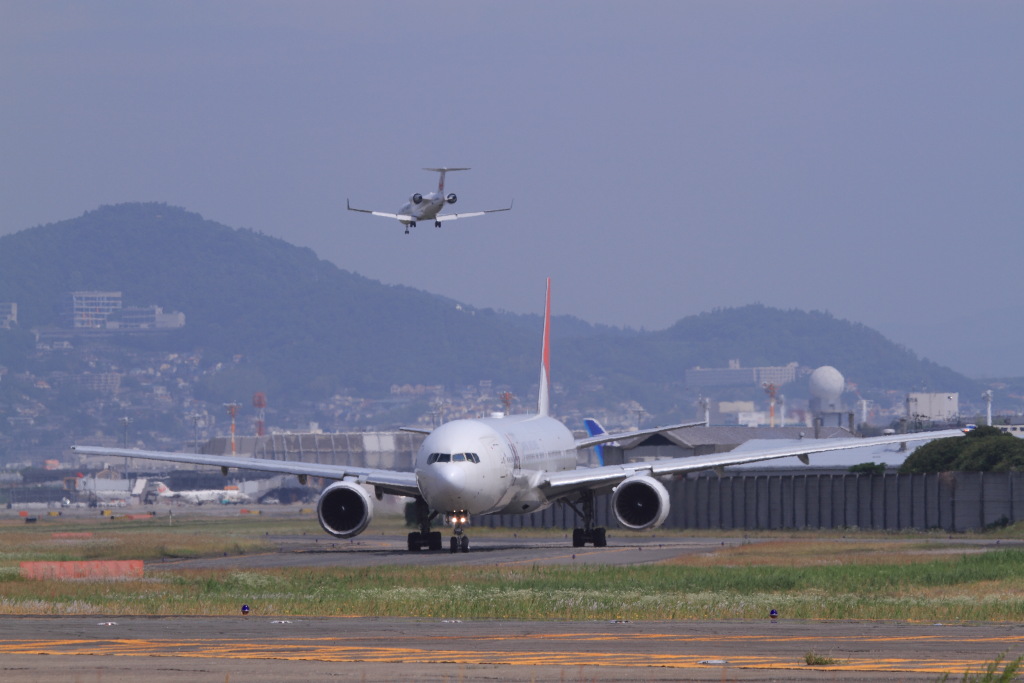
point(442, 171)
point(543, 401)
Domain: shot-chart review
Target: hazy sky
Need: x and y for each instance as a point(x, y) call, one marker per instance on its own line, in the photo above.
point(666, 158)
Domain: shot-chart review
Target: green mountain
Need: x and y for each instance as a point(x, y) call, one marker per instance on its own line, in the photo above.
point(307, 328)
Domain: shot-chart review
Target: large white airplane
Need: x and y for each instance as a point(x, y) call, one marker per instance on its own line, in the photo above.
point(510, 464)
point(200, 496)
point(425, 207)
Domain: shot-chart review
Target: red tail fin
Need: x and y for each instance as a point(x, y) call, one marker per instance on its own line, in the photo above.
point(543, 396)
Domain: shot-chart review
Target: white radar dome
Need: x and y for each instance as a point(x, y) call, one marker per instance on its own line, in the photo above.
point(827, 384)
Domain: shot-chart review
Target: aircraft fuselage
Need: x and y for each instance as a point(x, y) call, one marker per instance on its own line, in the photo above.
point(426, 210)
point(492, 465)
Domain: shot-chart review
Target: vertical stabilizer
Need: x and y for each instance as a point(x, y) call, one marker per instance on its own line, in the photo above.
point(594, 428)
point(442, 171)
point(545, 355)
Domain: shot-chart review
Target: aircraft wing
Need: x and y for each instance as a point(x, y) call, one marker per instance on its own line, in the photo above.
point(556, 484)
point(452, 216)
point(598, 439)
point(389, 481)
point(383, 214)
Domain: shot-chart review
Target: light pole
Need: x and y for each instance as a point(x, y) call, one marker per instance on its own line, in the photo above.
point(195, 431)
point(125, 421)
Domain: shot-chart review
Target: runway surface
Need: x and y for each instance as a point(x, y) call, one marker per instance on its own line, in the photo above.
point(261, 647)
point(258, 648)
point(319, 550)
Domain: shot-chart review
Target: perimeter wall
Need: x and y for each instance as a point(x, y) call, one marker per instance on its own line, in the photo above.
point(951, 501)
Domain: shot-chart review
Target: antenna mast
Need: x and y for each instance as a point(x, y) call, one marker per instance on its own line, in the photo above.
point(770, 390)
point(232, 409)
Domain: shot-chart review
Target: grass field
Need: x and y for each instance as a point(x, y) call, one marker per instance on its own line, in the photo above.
point(851, 575)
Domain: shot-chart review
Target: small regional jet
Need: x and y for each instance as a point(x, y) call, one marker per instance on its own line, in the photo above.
point(198, 497)
point(510, 464)
point(425, 207)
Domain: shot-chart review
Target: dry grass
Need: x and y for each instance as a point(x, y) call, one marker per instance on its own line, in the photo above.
point(138, 539)
point(815, 553)
point(804, 575)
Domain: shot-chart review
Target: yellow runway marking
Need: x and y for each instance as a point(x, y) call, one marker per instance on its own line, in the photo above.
point(332, 649)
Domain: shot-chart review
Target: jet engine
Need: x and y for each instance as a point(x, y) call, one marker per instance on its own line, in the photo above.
point(640, 503)
point(416, 198)
point(451, 198)
point(344, 509)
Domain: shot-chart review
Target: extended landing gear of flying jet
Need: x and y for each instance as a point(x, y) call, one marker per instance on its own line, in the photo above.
point(424, 538)
point(410, 224)
point(437, 224)
point(589, 533)
point(459, 542)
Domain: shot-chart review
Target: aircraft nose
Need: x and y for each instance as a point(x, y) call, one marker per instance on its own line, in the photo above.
point(444, 486)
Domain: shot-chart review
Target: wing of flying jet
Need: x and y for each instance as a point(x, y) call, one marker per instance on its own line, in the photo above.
point(441, 218)
point(396, 216)
point(558, 484)
point(388, 481)
point(452, 216)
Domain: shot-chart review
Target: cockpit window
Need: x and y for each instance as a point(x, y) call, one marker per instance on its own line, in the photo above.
point(448, 457)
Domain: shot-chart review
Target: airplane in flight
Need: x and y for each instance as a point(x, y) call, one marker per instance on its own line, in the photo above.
point(425, 207)
point(200, 496)
point(508, 464)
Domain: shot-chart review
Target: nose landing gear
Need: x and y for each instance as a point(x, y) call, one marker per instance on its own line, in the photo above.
point(459, 542)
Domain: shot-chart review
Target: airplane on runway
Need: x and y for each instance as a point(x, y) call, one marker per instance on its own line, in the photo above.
point(425, 207)
point(509, 464)
point(200, 496)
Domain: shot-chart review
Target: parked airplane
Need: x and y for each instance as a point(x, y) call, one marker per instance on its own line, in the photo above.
point(201, 496)
point(509, 464)
point(424, 207)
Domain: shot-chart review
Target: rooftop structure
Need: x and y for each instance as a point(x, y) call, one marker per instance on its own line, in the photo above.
point(943, 407)
point(8, 315)
point(145, 318)
point(90, 310)
point(735, 375)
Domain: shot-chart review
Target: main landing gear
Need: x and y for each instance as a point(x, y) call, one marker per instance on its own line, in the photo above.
point(437, 224)
point(410, 224)
point(589, 533)
point(424, 538)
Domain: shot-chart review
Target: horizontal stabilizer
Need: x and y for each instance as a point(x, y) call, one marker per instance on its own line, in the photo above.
point(604, 437)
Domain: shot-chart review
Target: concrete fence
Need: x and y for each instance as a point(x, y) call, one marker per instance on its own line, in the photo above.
point(952, 501)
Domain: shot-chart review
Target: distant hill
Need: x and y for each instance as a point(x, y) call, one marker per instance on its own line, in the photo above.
point(307, 327)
